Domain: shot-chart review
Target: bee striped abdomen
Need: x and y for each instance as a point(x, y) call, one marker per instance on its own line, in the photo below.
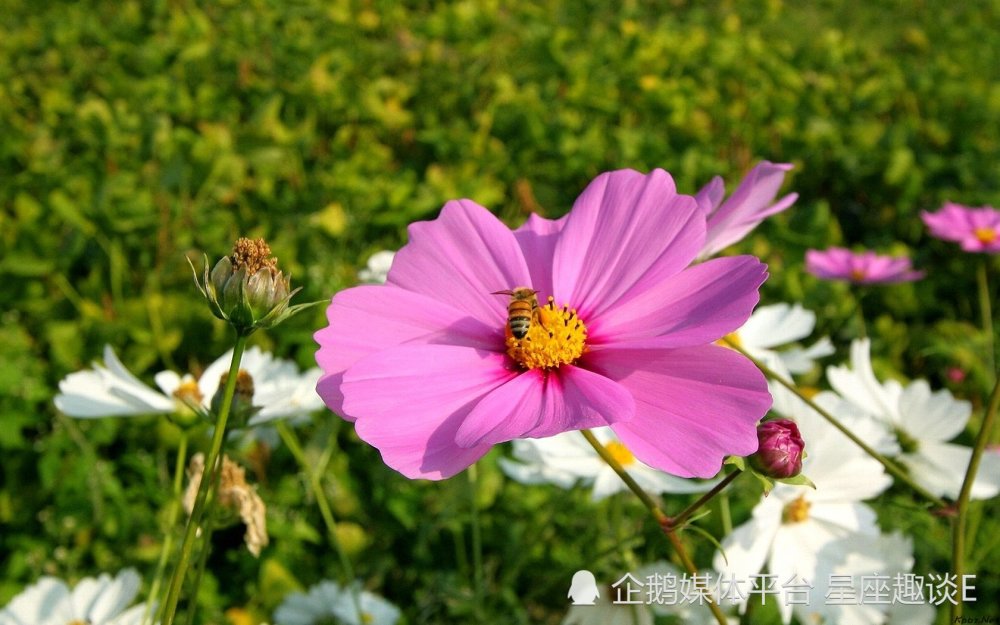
point(519, 316)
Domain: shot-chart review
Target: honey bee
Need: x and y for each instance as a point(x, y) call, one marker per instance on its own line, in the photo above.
point(522, 310)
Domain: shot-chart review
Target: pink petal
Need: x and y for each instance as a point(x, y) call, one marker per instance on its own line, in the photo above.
point(624, 227)
point(367, 319)
point(537, 238)
point(409, 402)
point(694, 405)
point(710, 196)
point(699, 305)
point(461, 258)
point(536, 404)
point(750, 203)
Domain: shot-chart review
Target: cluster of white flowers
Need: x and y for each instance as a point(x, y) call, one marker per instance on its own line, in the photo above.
point(280, 391)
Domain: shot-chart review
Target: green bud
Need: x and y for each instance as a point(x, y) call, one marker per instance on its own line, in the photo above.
point(247, 289)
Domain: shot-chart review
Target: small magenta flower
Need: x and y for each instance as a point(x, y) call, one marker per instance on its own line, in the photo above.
point(429, 370)
point(780, 453)
point(751, 203)
point(975, 229)
point(838, 263)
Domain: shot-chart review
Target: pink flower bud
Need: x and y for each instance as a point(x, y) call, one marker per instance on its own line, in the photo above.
point(779, 454)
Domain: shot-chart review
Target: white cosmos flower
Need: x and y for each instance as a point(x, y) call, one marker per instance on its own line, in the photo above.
point(780, 324)
point(327, 599)
point(567, 458)
point(872, 561)
point(280, 391)
point(922, 420)
point(94, 601)
point(795, 528)
point(378, 267)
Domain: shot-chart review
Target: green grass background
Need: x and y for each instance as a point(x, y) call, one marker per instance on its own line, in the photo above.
point(135, 133)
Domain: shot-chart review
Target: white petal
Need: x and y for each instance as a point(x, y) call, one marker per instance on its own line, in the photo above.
point(115, 596)
point(777, 324)
point(799, 360)
point(860, 386)
point(941, 467)
point(37, 603)
point(748, 546)
point(108, 391)
point(932, 416)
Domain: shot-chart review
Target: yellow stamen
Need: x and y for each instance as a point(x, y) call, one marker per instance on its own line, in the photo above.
point(797, 511)
point(366, 618)
point(556, 337)
point(985, 235)
point(620, 453)
point(77, 622)
point(857, 275)
point(189, 393)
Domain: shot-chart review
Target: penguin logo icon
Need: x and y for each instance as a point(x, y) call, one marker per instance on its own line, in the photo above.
point(583, 588)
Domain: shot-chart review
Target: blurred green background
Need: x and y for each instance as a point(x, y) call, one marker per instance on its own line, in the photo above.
point(134, 133)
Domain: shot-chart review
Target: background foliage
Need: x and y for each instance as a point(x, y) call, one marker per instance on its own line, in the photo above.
point(135, 133)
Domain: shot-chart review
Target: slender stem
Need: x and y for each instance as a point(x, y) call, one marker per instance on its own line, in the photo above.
point(207, 482)
point(325, 511)
point(472, 481)
point(206, 549)
point(986, 312)
point(859, 314)
point(661, 518)
point(727, 517)
point(678, 520)
point(962, 505)
point(889, 465)
point(646, 499)
point(168, 540)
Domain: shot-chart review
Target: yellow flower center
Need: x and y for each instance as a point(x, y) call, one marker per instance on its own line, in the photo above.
point(189, 393)
point(366, 618)
point(555, 336)
point(731, 339)
point(857, 275)
point(985, 235)
point(77, 622)
point(797, 511)
point(620, 453)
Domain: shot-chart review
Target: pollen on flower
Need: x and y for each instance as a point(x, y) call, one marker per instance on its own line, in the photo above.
point(730, 340)
point(797, 511)
point(254, 254)
point(985, 235)
point(620, 453)
point(189, 393)
point(556, 337)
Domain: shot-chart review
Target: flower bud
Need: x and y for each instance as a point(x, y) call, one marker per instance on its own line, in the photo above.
point(247, 289)
point(779, 454)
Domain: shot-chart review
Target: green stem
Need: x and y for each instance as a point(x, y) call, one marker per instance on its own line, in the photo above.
point(326, 512)
point(859, 314)
point(986, 312)
point(962, 505)
point(206, 548)
point(212, 464)
point(661, 518)
point(889, 465)
point(727, 517)
point(472, 482)
point(678, 520)
point(168, 540)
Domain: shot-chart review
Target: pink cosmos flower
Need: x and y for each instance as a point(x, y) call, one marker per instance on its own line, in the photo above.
point(751, 203)
point(838, 263)
point(429, 371)
point(976, 229)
